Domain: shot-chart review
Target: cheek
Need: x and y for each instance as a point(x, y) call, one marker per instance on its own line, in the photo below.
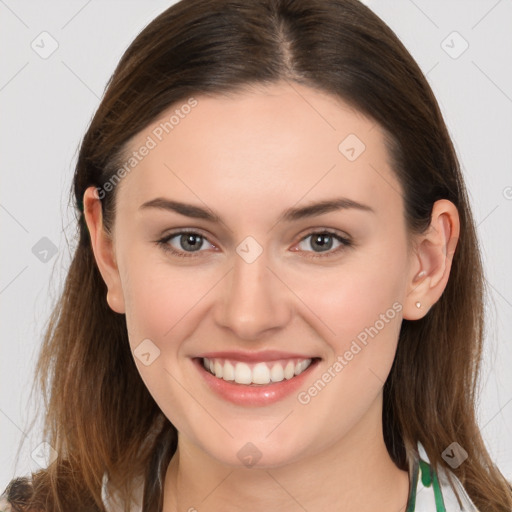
point(367, 302)
point(362, 292)
point(361, 306)
point(158, 297)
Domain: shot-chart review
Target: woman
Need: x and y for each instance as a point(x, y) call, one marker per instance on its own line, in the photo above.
point(276, 298)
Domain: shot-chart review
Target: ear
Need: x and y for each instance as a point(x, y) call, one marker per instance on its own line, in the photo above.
point(432, 258)
point(103, 248)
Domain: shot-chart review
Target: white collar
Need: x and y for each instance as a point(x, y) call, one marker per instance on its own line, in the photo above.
point(110, 497)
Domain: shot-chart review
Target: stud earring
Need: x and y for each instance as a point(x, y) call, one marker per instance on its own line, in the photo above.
point(418, 305)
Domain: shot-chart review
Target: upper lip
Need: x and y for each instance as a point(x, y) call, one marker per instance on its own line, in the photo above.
point(250, 357)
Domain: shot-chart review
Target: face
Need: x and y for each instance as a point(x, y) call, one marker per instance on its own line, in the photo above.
point(296, 308)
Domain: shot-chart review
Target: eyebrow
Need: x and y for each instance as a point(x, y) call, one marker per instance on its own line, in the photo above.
point(289, 215)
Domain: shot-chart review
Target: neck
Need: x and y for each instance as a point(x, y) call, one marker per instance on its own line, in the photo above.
point(356, 473)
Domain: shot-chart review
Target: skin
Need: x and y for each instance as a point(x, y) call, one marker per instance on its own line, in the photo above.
point(248, 157)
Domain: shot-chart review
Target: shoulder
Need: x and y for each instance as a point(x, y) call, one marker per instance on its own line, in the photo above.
point(16, 495)
point(35, 493)
point(439, 490)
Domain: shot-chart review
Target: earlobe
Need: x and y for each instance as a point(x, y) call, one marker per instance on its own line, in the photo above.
point(432, 260)
point(103, 249)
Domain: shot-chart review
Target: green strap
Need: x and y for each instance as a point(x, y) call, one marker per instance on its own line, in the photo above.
point(426, 473)
point(438, 495)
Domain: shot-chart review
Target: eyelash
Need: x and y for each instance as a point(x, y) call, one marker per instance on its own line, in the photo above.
point(164, 243)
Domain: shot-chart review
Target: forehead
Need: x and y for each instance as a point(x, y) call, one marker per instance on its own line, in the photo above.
point(269, 145)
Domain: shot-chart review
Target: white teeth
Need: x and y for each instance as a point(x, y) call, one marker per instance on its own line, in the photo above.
point(300, 367)
point(277, 373)
point(261, 374)
point(255, 373)
point(228, 372)
point(289, 371)
point(218, 369)
point(243, 373)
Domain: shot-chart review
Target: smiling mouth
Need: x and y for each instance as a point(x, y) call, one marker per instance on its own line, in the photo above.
point(254, 374)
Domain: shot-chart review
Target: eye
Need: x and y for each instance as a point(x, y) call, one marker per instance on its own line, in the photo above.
point(185, 243)
point(323, 241)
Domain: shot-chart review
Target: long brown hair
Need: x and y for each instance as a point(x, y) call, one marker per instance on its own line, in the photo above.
point(99, 415)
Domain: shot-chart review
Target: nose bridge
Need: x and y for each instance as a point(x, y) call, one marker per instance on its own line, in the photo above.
point(254, 300)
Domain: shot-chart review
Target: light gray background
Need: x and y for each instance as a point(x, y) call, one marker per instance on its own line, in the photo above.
point(46, 104)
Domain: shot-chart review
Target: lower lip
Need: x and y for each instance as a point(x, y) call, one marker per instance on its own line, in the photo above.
point(253, 395)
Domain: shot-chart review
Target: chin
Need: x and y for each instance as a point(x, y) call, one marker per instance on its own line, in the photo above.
point(256, 451)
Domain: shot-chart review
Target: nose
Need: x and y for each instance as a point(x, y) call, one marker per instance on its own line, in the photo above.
point(253, 300)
